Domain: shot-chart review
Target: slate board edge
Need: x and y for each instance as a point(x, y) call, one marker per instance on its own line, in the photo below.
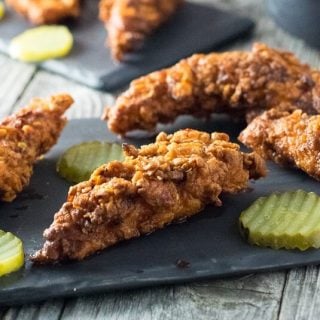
point(25, 296)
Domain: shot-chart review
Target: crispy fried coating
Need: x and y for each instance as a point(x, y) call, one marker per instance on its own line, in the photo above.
point(171, 179)
point(129, 22)
point(290, 139)
point(46, 11)
point(232, 82)
point(24, 137)
point(105, 7)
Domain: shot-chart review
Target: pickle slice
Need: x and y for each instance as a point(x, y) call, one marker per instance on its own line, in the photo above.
point(41, 43)
point(2, 10)
point(289, 220)
point(79, 161)
point(11, 253)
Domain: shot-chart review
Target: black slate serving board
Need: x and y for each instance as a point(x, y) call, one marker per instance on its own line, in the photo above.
point(209, 242)
point(195, 28)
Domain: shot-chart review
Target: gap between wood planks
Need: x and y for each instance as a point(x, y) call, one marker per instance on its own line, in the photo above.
point(14, 77)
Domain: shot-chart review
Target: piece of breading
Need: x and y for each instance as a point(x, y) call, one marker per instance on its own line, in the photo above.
point(24, 137)
point(233, 82)
point(171, 179)
point(129, 22)
point(290, 139)
point(105, 7)
point(46, 11)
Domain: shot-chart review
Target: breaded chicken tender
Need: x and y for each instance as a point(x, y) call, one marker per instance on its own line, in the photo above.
point(129, 22)
point(171, 179)
point(24, 137)
point(241, 83)
point(105, 7)
point(290, 139)
point(46, 11)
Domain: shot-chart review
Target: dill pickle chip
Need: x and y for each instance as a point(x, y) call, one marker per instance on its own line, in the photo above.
point(41, 43)
point(11, 253)
point(289, 220)
point(2, 10)
point(79, 161)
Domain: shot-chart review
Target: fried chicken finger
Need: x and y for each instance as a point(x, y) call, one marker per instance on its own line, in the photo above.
point(129, 22)
point(242, 82)
point(24, 137)
point(171, 179)
point(46, 11)
point(290, 139)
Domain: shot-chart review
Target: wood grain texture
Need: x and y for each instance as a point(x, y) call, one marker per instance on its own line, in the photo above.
point(278, 295)
point(258, 296)
point(266, 30)
point(88, 102)
point(301, 296)
point(46, 310)
point(14, 77)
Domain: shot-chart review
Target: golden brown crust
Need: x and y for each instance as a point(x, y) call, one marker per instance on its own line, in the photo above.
point(129, 22)
point(287, 138)
point(46, 11)
point(105, 7)
point(24, 137)
point(242, 82)
point(171, 179)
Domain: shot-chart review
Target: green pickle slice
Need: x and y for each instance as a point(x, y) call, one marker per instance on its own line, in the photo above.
point(79, 161)
point(2, 10)
point(289, 220)
point(42, 43)
point(11, 253)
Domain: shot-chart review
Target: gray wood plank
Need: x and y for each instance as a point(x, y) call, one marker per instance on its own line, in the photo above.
point(301, 296)
point(88, 102)
point(253, 297)
point(267, 31)
point(14, 76)
point(51, 309)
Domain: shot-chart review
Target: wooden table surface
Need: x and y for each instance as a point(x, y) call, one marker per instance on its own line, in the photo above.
point(277, 295)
